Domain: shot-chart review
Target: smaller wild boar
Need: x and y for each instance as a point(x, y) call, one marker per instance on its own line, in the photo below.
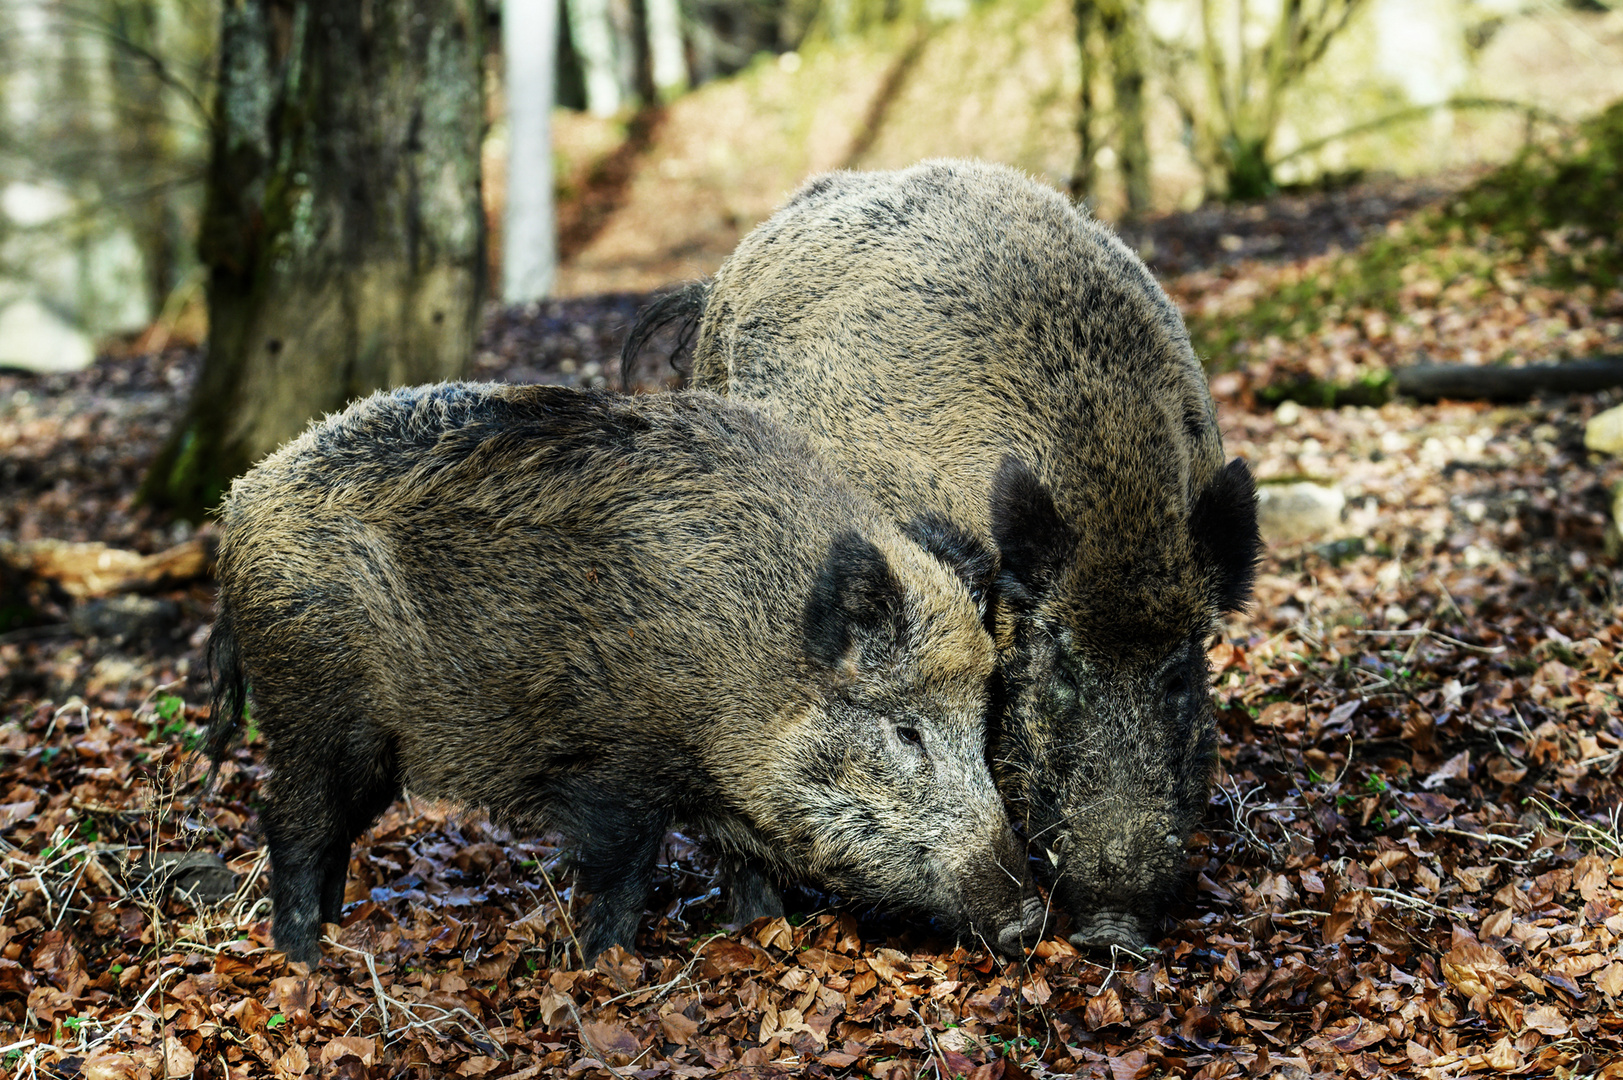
point(607, 616)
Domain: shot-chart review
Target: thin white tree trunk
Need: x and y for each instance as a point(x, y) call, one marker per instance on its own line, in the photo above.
point(665, 46)
point(529, 223)
point(592, 28)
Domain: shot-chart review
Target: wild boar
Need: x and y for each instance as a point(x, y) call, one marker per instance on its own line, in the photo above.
point(955, 327)
point(604, 617)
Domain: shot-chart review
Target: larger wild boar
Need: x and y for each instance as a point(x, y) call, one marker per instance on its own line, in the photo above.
point(607, 616)
point(955, 328)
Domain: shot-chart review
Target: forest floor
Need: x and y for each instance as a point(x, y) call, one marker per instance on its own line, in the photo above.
point(1412, 864)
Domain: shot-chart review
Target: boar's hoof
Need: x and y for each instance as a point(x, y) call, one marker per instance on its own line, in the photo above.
point(1110, 929)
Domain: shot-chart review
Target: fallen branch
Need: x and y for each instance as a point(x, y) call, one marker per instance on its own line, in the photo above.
point(1457, 382)
point(1469, 382)
point(85, 570)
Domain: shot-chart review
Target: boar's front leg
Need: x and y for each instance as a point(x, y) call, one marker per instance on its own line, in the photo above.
point(615, 857)
point(751, 892)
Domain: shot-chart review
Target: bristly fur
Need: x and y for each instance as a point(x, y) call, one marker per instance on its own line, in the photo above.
point(606, 616)
point(960, 550)
point(925, 325)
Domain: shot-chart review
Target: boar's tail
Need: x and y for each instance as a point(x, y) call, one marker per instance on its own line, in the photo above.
point(230, 696)
point(684, 307)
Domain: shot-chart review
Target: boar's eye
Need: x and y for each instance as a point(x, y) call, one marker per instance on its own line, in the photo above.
point(1178, 684)
point(910, 736)
point(1065, 687)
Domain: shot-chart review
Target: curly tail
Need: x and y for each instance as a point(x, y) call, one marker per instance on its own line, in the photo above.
point(230, 694)
point(684, 307)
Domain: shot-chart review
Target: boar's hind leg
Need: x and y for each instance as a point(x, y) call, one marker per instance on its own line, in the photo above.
point(615, 863)
point(319, 802)
point(751, 892)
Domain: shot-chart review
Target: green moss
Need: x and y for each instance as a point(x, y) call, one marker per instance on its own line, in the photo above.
point(1560, 207)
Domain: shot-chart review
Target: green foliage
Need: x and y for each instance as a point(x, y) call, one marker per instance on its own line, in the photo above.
point(1574, 188)
point(1557, 207)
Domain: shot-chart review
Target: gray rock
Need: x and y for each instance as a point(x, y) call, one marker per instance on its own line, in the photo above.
point(124, 618)
point(35, 338)
point(1288, 513)
point(200, 877)
point(1604, 433)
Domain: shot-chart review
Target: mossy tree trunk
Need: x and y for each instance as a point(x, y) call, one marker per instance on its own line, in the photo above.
point(1082, 177)
point(1120, 24)
point(342, 230)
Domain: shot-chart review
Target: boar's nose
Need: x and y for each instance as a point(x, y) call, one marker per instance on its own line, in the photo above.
point(1027, 930)
point(1106, 928)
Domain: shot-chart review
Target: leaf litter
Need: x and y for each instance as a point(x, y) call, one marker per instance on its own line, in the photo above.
point(1412, 864)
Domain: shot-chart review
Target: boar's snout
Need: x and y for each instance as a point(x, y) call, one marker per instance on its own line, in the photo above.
point(1104, 929)
point(1002, 907)
point(1119, 872)
point(1024, 931)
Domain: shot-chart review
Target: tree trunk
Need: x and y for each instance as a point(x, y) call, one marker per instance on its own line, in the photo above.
point(670, 70)
point(342, 227)
point(592, 27)
point(530, 228)
point(1082, 184)
point(1120, 23)
point(142, 141)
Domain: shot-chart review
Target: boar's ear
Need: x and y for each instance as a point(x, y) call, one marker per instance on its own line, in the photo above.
point(1223, 524)
point(856, 604)
point(963, 554)
point(1032, 541)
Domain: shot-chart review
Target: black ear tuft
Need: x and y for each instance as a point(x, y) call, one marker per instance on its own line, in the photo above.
point(1224, 527)
point(1032, 541)
point(962, 552)
point(856, 603)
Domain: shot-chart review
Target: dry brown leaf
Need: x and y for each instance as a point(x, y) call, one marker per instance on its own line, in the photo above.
point(345, 1045)
point(1355, 1034)
point(777, 934)
point(1133, 1065)
point(109, 1065)
point(1104, 1010)
point(1457, 767)
point(293, 1064)
point(293, 992)
point(677, 1027)
point(1589, 877)
point(608, 1037)
point(723, 957)
point(1036, 990)
point(1547, 1019)
point(1475, 970)
point(1504, 1057)
point(1498, 924)
point(94, 569)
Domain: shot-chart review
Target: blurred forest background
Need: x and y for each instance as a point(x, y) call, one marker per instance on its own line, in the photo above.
point(681, 123)
point(308, 189)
